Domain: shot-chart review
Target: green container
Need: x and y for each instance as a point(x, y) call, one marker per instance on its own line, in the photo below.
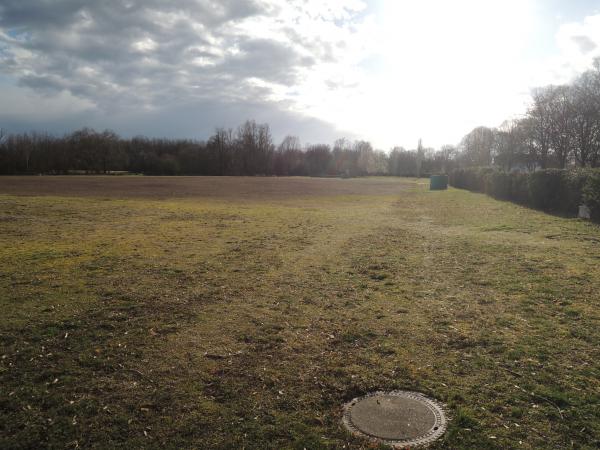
point(438, 182)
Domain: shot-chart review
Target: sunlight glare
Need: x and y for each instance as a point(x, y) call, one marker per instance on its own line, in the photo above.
point(440, 59)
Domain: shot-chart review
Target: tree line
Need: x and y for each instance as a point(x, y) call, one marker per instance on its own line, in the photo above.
point(248, 150)
point(560, 129)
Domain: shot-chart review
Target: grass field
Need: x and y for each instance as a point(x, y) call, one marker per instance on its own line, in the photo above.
point(142, 312)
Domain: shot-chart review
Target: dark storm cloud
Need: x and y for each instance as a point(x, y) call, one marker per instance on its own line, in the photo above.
point(267, 60)
point(196, 119)
point(29, 13)
point(42, 82)
point(152, 55)
point(59, 13)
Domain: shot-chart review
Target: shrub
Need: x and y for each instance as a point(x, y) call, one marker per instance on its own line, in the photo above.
point(591, 194)
point(570, 195)
point(556, 190)
point(481, 175)
point(455, 178)
point(544, 188)
point(519, 188)
point(472, 179)
point(498, 185)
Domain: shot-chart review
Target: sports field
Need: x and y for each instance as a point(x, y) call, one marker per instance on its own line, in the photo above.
point(189, 312)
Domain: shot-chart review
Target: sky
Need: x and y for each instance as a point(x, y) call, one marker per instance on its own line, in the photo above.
point(387, 71)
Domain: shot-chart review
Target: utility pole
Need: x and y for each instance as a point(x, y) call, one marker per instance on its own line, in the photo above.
point(419, 157)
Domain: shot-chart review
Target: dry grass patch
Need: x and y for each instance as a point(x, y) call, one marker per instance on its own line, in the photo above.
point(211, 323)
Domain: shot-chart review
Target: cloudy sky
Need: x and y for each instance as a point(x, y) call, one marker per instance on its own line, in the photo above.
point(389, 71)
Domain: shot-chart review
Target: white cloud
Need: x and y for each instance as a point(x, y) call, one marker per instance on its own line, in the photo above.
point(444, 68)
point(145, 45)
point(152, 55)
point(578, 43)
point(431, 69)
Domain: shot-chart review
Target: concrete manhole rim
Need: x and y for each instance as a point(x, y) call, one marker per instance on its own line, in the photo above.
point(436, 431)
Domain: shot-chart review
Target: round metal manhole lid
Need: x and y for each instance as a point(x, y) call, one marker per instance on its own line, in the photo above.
point(398, 418)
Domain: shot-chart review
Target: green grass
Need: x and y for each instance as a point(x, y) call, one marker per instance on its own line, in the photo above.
point(216, 323)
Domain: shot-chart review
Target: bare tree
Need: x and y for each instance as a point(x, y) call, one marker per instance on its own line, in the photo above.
point(288, 159)
point(265, 148)
point(477, 147)
point(318, 159)
point(402, 162)
point(562, 112)
point(290, 144)
point(509, 143)
point(446, 153)
point(366, 160)
point(539, 115)
point(108, 143)
point(586, 118)
point(221, 143)
point(529, 145)
point(345, 158)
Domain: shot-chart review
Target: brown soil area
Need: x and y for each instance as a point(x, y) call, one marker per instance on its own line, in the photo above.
point(186, 187)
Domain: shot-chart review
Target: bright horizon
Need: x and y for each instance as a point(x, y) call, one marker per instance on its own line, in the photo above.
point(385, 71)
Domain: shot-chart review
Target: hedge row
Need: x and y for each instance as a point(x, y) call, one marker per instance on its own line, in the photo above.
point(553, 190)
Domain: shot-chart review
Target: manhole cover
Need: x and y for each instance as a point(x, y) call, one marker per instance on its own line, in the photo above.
point(399, 418)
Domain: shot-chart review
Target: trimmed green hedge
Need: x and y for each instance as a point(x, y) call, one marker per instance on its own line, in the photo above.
point(545, 188)
point(591, 194)
point(553, 190)
point(498, 185)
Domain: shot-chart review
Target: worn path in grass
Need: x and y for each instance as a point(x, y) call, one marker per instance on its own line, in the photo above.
point(188, 316)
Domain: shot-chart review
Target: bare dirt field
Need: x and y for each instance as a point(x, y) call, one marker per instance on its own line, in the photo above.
point(263, 188)
point(242, 313)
